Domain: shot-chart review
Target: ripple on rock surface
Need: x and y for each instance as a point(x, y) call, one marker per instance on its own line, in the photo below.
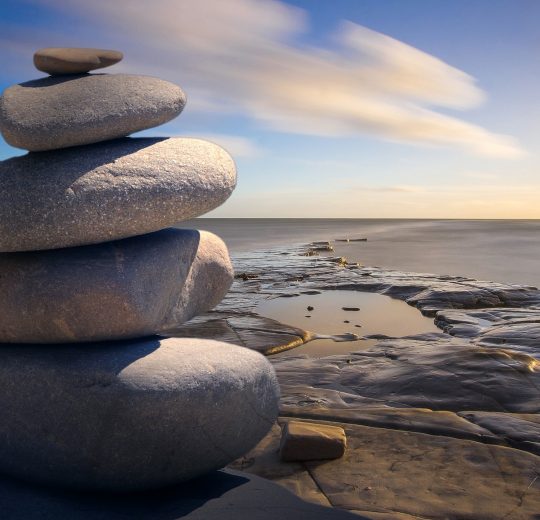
point(131, 415)
point(428, 371)
point(57, 112)
point(123, 289)
point(108, 191)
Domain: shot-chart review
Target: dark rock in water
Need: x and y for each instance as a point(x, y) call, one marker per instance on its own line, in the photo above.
point(71, 60)
point(113, 290)
point(109, 191)
point(339, 260)
point(130, 415)
point(338, 338)
point(220, 495)
point(246, 276)
point(351, 308)
point(310, 308)
point(51, 113)
point(322, 248)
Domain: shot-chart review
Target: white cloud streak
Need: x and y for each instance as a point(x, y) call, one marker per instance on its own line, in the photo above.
point(243, 57)
point(236, 145)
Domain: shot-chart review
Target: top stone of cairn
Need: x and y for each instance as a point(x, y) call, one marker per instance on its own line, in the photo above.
point(71, 60)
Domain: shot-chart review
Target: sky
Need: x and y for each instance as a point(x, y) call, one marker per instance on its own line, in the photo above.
point(330, 108)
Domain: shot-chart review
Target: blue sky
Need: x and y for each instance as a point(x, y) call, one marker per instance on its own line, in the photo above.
point(342, 108)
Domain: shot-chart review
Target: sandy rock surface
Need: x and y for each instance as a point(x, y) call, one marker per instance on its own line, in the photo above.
point(396, 474)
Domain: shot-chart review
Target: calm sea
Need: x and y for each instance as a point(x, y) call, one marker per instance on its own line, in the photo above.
point(498, 250)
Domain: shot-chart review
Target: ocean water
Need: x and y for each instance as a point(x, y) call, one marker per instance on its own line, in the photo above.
point(498, 250)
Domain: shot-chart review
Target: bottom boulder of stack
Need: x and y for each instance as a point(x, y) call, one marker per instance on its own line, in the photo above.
point(131, 415)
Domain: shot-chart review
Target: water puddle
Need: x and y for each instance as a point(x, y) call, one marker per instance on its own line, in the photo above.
point(344, 313)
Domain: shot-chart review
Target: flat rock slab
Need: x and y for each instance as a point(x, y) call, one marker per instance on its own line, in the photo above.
point(57, 112)
point(302, 441)
point(430, 477)
point(398, 474)
point(429, 371)
point(123, 289)
point(131, 415)
point(108, 191)
point(522, 336)
point(250, 330)
point(520, 430)
point(264, 461)
point(221, 495)
point(324, 404)
point(74, 60)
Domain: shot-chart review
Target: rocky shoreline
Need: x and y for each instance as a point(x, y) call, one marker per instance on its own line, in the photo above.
point(440, 425)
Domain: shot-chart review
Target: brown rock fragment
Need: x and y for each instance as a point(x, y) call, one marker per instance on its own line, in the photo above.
point(68, 60)
point(311, 441)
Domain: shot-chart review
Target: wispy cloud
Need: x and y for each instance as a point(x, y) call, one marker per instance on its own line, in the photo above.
point(385, 189)
point(476, 201)
point(245, 57)
point(236, 145)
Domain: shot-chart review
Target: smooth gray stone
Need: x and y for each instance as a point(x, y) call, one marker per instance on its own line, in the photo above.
point(73, 60)
point(220, 495)
point(123, 289)
point(131, 415)
point(108, 191)
point(57, 112)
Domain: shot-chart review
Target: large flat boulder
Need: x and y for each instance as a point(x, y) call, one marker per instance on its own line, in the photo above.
point(56, 112)
point(122, 289)
point(108, 191)
point(131, 415)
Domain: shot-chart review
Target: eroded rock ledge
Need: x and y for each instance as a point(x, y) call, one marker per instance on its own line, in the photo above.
point(441, 425)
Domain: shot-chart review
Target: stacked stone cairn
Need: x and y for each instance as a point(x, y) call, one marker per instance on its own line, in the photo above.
point(93, 393)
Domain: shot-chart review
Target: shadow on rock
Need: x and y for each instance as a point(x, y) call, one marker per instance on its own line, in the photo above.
point(223, 495)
